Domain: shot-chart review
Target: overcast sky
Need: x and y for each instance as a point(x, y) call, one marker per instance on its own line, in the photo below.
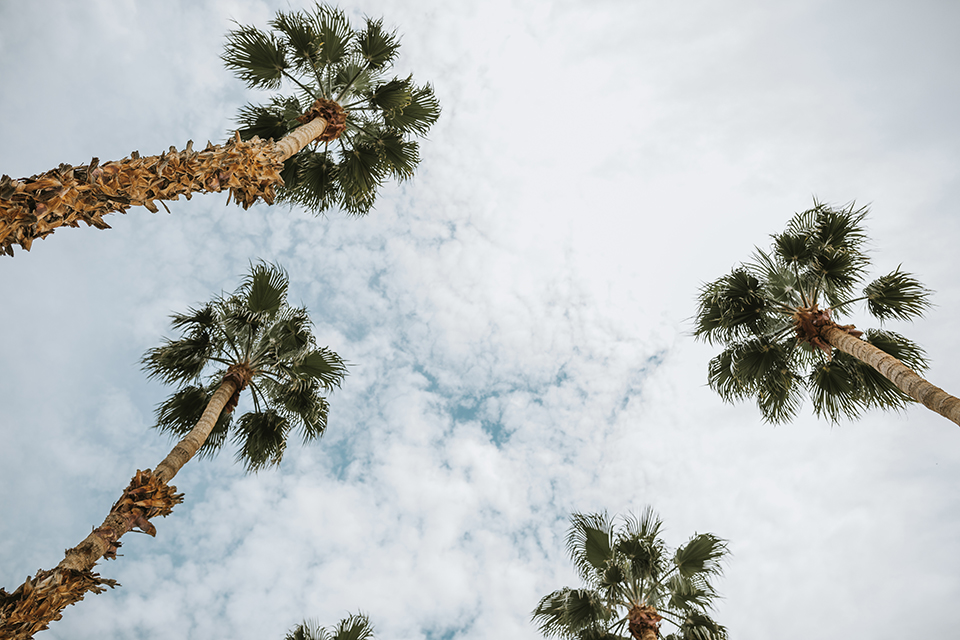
point(517, 317)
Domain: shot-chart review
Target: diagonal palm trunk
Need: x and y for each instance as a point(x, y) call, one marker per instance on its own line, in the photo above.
point(932, 397)
point(41, 599)
point(33, 208)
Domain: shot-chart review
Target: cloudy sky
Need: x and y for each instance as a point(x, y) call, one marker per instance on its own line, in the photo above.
point(517, 317)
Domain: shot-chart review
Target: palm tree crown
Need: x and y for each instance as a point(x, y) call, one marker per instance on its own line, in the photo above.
point(634, 582)
point(353, 627)
point(253, 337)
point(342, 75)
point(776, 317)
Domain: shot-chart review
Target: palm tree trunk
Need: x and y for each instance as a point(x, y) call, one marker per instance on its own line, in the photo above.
point(644, 622)
point(41, 599)
point(32, 208)
point(932, 397)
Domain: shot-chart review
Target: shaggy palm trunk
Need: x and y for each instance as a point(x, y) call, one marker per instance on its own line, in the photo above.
point(41, 599)
point(644, 622)
point(932, 397)
point(34, 207)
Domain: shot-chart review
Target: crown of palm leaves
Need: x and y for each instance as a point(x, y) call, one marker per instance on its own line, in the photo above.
point(317, 56)
point(628, 568)
point(256, 328)
point(766, 313)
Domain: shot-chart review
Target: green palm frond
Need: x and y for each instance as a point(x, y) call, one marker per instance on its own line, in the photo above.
point(732, 308)
point(256, 57)
point(570, 613)
point(316, 53)
point(897, 295)
point(334, 32)
point(418, 115)
point(179, 361)
point(261, 439)
point(301, 39)
point(589, 543)
point(689, 593)
point(353, 627)
point(265, 289)
point(700, 626)
point(701, 554)
point(377, 47)
point(836, 388)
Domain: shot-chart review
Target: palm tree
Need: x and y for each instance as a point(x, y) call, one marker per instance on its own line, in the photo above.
point(343, 129)
point(779, 342)
point(353, 627)
point(633, 583)
point(251, 339)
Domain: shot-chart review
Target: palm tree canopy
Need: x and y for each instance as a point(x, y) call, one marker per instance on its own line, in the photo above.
point(628, 567)
point(353, 627)
point(257, 329)
point(766, 313)
point(318, 57)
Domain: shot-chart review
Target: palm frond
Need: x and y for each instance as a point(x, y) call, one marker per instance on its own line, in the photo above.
point(265, 288)
point(701, 555)
point(897, 295)
point(377, 47)
point(256, 57)
point(689, 593)
point(261, 438)
point(700, 626)
point(300, 39)
point(180, 361)
point(731, 308)
point(334, 32)
point(418, 115)
point(308, 630)
point(836, 388)
point(589, 543)
point(569, 613)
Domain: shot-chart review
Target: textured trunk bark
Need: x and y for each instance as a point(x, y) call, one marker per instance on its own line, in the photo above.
point(643, 622)
point(32, 208)
point(41, 599)
point(300, 137)
point(191, 443)
point(932, 397)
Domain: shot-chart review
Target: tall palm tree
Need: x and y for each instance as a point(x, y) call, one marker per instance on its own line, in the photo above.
point(777, 319)
point(353, 627)
point(342, 129)
point(251, 339)
point(633, 582)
